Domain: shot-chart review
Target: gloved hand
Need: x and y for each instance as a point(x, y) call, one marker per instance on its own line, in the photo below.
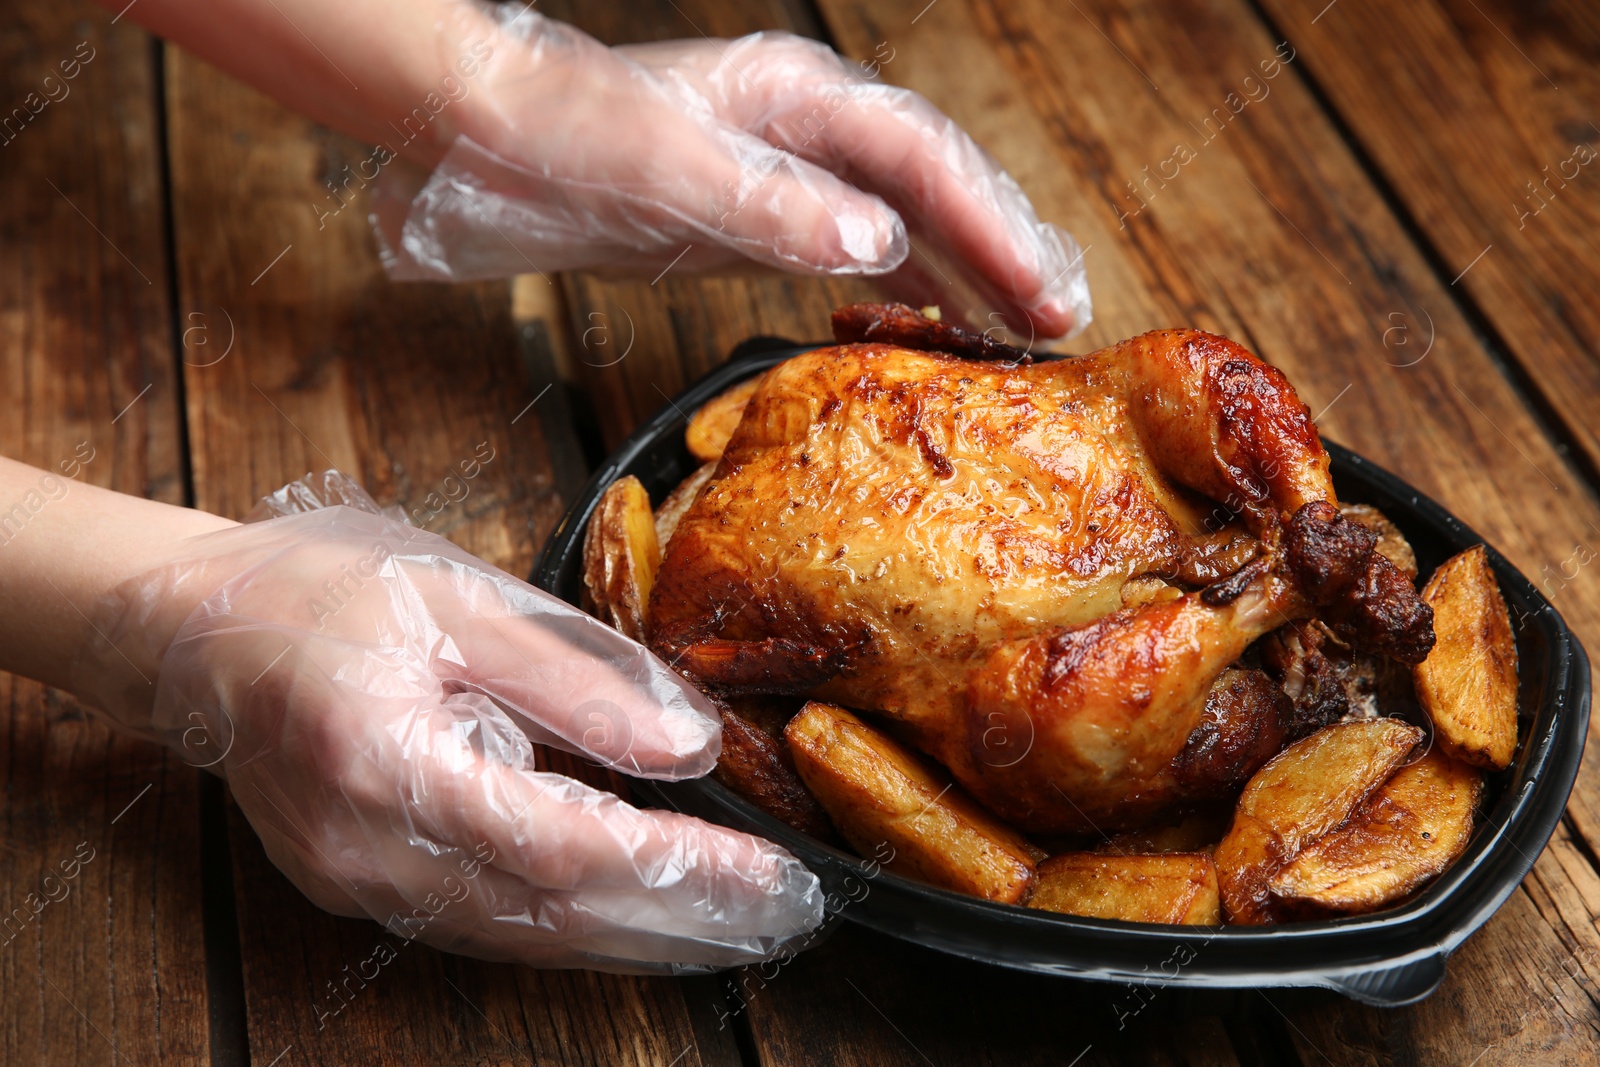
point(696, 154)
point(370, 691)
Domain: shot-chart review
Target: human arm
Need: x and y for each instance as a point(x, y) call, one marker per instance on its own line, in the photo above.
point(555, 152)
point(373, 695)
point(65, 544)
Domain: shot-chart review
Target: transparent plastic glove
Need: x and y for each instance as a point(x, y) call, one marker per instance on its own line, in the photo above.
point(696, 154)
point(371, 693)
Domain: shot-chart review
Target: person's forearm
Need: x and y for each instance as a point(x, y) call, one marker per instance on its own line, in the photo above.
point(387, 72)
point(63, 545)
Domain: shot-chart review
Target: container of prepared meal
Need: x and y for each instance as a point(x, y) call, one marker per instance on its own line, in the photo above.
point(1388, 957)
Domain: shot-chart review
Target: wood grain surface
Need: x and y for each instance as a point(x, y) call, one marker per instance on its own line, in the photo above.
point(909, 1005)
point(101, 959)
point(1480, 118)
point(1326, 214)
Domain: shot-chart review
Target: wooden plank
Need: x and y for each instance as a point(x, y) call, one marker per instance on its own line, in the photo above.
point(1480, 115)
point(909, 1005)
point(1269, 232)
point(333, 366)
point(637, 23)
point(107, 965)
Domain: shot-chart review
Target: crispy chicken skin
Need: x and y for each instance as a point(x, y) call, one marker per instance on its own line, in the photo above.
point(945, 542)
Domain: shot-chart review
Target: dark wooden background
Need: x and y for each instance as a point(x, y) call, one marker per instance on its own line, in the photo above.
point(1383, 225)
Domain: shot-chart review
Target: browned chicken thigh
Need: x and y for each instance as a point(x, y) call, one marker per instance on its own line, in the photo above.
point(1037, 570)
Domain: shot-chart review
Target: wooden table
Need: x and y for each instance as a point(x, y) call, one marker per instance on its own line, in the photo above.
point(1396, 218)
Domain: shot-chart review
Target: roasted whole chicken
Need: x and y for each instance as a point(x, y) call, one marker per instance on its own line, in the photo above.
point(1042, 574)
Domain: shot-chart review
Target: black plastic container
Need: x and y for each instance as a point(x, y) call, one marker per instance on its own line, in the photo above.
point(1390, 958)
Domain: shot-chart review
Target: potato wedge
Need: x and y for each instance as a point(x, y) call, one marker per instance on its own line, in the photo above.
point(1468, 683)
point(1308, 789)
point(678, 502)
point(620, 556)
point(755, 764)
point(1173, 887)
point(711, 427)
point(1392, 544)
point(877, 793)
point(1412, 828)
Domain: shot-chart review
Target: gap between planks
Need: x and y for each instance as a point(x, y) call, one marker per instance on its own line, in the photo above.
point(227, 1031)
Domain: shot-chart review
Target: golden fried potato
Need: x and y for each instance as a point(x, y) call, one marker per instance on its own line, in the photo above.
point(1468, 683)
point(1392, 544)
point(1173, 887)
point(620, 556)
point(712, 425)
point(755, 764)
point(1408, 831)
point(877, 793)
point(679, 501)
point(1308, 789)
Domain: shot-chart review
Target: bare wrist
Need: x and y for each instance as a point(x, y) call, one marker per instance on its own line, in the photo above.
point(64, 544)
